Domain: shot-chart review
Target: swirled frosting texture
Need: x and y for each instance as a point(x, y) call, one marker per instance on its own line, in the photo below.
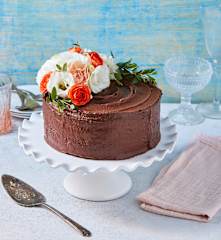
point(119, 123)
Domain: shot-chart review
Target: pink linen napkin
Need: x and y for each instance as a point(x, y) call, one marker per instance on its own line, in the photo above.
point(190, 187)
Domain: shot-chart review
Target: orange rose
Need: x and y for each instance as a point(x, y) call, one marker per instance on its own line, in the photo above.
point(44, 82)
point(76, 49)
point(96, 59)
point(80, 94)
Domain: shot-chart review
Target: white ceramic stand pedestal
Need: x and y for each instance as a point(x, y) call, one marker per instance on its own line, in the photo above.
point(101, 185)
point(94, 180)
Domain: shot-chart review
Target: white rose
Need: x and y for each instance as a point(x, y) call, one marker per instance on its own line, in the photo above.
point(62, 81)
point(109, 60)
point(99, 79)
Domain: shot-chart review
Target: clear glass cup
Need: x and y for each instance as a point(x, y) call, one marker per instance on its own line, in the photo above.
point(211, 17)
point(5, 101)
point(187, 75)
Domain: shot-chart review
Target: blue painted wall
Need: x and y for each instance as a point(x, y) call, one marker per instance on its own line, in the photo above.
point(149, 31)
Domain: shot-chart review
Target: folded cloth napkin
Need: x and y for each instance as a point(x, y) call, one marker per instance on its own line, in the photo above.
point(190, 187)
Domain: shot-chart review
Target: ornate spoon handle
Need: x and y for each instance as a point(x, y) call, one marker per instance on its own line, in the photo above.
point(68, 220)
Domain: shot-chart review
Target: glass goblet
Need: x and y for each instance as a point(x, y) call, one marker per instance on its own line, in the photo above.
point(187, 75)
point(5, 97)
point(211, 17)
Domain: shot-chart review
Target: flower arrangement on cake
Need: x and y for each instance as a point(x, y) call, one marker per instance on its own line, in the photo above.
point(70, 79)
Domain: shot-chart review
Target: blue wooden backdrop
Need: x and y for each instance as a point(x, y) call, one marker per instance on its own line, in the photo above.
point(149, 31)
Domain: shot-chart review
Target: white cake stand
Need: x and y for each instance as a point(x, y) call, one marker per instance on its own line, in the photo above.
point(92, 179)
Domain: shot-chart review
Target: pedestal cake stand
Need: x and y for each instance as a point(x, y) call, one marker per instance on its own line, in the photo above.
point(92, 179)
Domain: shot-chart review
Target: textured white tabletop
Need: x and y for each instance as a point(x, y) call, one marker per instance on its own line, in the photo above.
point(119, 219)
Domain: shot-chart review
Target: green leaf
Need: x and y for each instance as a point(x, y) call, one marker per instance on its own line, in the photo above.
point(149, 71)
point(119, 82)
point(65, 67)
point(67, 100)
point(118, 75)
point(139, 78)
point(153, 81)
point(112, 55)
point(124, 64)
point(154, 73)
point(53, 94)
point(58, 67)
point(72, 106)
point(76, 44)
point(135, 70)
point(131, 65)
point(118, 78)
point(120, 64)
point(61, 104)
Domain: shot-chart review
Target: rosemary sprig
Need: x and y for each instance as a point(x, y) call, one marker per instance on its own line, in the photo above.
point(61, 103)
point(130, 71)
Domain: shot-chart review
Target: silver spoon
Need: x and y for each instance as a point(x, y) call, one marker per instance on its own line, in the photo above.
point(27, 196)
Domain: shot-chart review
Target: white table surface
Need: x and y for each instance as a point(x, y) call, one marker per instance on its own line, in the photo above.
point(119, 219)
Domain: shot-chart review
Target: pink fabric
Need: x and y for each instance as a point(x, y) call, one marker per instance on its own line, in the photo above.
point(190, 187)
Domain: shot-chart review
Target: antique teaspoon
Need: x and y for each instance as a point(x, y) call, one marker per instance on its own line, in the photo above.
point(27, 196)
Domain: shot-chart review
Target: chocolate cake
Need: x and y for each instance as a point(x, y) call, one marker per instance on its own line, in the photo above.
point(97, 108)
point(118, 123)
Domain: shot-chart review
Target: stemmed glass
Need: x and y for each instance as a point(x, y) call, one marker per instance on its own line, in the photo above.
point(187, 75)
point(211, 17)
point(5, 98)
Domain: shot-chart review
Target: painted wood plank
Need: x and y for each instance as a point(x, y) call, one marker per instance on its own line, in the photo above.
point(149, 31)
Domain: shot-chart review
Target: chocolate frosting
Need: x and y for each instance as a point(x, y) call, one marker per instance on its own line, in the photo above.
point(118, 123)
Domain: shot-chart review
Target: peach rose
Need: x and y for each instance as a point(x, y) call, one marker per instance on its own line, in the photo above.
point(80, 71)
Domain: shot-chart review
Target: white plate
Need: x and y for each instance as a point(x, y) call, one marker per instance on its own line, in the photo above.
point(21, 116)
point(15, 101)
